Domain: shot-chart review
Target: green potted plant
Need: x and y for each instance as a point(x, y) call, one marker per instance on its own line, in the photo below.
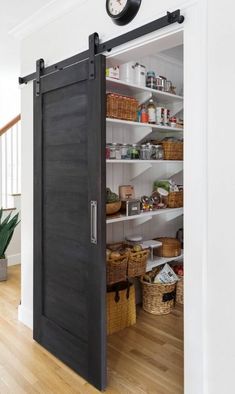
point(7, 227)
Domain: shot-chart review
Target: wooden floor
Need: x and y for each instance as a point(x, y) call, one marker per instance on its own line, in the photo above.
point(146, 358)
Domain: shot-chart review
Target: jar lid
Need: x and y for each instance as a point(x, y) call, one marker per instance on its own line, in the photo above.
point(134, 238)
point(150, 74)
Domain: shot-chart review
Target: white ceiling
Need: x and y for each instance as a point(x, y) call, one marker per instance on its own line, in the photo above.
point(13, 12)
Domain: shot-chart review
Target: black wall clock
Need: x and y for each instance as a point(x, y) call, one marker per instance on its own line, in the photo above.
point(122, 11)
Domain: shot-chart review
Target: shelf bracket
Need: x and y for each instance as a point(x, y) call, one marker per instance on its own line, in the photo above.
point(143, 97)
point(140, 133)
point(138, 169)
point(142, 220)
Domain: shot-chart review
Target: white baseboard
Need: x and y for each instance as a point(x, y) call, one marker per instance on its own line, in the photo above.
point(14, 259)
point(25, 316)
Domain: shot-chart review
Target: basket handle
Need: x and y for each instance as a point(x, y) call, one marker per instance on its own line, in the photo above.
point(117, 297)
point(169, 296)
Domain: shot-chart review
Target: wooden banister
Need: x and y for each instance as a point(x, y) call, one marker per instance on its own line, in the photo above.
point(10, 124)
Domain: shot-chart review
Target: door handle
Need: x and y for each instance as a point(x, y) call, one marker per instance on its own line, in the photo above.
point(94, 222)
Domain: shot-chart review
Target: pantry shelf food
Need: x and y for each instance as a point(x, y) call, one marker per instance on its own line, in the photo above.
point(121, 87)
point(132, 124)
point(123, 218)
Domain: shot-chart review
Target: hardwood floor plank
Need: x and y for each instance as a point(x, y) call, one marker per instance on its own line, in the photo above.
point(144, 359)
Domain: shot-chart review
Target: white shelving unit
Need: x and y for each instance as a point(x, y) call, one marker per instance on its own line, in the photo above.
point(144, 126)
point(110, 161)
point(122, 87)
point(145, 215)
point(162, 260)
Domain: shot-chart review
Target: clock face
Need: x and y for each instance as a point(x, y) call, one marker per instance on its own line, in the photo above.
point(116, 7)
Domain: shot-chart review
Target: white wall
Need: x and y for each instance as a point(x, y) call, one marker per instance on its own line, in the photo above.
point(221, 211)
point(209, 341)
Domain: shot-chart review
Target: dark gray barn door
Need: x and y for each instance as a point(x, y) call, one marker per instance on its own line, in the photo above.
point(69, 219)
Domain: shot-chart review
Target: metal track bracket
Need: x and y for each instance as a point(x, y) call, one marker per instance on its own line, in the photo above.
point(39, 68)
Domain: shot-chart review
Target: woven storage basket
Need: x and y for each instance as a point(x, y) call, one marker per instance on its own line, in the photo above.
point(116, 269)
point(137, 263)
point(121, 107)
point(175, 199)
point(121, 307)
point(113, 207)
point(158, 298)
point(170, 247)
point(180, 290)
point(173, 150)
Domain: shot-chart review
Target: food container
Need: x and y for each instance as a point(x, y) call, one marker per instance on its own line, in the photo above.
point(159, 84)
point(112, 72)
point(112, 151)
point(166, 119)
point(127, 72)
point(126, 192)
point(164, 83)
point(151, 80)
point(170, 247)
point(140, 74)
point(160, 115)
point(125, 151)
point(145, 152)
point(159, 152)
point(107, 151)
point(118, 151)
point(173, 121)
point(134, 240)
point(134, 152)
point(131, 207)
point(168, 86)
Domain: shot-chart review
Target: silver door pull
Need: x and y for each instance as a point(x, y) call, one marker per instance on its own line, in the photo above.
point(94, 222)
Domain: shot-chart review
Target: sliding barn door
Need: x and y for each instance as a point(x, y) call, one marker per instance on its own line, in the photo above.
point(69, 218)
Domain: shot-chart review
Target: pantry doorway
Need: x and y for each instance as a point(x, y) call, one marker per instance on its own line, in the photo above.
point(140, 351)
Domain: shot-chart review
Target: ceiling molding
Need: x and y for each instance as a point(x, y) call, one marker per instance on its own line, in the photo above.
point(46, 14)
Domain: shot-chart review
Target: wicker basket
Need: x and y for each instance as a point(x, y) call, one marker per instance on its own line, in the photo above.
point(170, 247)
point(180, 290)
point(137, 263)
point(121, 307)
point(174, 199)
point(173, 150)
point(113, 207)
point(158, 298)
point(121, 107)
point(116, 269)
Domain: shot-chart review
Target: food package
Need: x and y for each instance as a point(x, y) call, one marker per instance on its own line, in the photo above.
point(126, 191)
point(166, 275)
point(112, 72)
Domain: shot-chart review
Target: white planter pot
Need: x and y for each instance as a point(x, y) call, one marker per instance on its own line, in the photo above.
point(3, 269)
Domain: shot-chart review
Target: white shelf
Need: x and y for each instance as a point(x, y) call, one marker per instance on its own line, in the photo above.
point(114, 161)
point(130, 124)
point(145, 215)
point(162, 260)
point(121, 87)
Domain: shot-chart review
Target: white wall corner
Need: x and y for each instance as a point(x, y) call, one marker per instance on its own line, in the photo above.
point(25, 316)
point(46, 14)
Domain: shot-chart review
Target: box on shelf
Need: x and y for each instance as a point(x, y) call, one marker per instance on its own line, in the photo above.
point(112, 72)
point(131, 207)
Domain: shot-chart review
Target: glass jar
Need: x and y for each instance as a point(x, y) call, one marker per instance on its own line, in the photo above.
point(134, 152)
point(125, 151)
point(159, 152)
point(151, 80)
point(118, 152)
point(112, 151)
point(107, 151)
point(149, 151)
point(143, 150)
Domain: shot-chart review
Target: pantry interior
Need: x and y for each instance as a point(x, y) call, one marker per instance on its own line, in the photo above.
point(151, 351)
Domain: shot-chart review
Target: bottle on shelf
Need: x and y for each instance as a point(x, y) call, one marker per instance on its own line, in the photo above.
point(151, 112)
point(144, 114)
